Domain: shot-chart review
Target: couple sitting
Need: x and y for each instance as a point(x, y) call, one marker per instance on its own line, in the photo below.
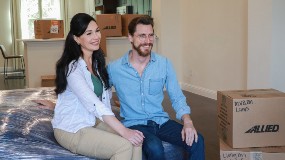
point(83, 121)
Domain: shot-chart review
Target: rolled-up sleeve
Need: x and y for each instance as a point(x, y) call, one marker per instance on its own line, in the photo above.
point(78, 84)
point(175, 93)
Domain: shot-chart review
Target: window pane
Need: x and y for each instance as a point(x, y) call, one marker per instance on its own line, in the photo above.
point(29, 12)
point(51, 9)
point(29, 9)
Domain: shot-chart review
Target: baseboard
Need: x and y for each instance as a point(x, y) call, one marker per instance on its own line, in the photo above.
point(199, 90)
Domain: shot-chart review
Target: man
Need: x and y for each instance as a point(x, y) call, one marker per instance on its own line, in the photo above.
point(139, 78)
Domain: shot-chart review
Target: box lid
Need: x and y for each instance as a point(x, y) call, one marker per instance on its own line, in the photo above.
point(254, 93)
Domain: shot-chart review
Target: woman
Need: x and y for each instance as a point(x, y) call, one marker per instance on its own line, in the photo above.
point(84, 94)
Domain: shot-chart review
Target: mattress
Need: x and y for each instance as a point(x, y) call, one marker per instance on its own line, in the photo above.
point(25, 128)
point(26, 131)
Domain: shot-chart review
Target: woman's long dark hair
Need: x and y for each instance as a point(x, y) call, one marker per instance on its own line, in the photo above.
point(72, 51)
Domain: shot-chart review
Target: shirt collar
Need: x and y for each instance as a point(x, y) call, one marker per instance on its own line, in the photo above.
point(126, 59)
point(82, 62)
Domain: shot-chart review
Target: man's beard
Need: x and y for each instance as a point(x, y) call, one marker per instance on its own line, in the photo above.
point(140, 52)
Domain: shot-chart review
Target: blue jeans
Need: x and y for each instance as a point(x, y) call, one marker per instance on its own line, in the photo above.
point(169, 132)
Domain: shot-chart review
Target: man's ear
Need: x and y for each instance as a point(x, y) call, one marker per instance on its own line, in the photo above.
point(130, 37)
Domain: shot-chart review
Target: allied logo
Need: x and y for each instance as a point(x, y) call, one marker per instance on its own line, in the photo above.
point(263, 129)
point(109, 27)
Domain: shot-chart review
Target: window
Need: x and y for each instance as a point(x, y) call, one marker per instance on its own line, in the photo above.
point(37, 9)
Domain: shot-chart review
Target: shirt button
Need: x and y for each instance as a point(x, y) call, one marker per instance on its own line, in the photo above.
point(142, 94)
point(94, 105)
point(141, 81)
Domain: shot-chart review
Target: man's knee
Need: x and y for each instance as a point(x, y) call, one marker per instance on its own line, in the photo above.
point(154, 150)
point(197, 150)
point(200, 141)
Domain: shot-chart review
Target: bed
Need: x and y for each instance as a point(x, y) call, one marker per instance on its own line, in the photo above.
point(26, 131)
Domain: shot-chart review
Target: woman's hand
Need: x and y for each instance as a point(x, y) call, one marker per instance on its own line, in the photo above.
point(134, 136)
point(46, 104)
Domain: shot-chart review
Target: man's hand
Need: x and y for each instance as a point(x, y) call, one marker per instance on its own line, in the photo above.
point(189, 133)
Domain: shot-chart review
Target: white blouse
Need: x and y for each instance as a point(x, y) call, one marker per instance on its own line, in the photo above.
point(78, 106)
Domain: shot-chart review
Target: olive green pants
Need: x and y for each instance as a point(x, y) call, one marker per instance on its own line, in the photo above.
point(100, 141)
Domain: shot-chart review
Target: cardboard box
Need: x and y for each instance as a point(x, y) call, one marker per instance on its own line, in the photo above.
point(265, 153)
point(48, 81)
point(45, 29)
point(251, 118)
point(126, 19)
point(110, 24)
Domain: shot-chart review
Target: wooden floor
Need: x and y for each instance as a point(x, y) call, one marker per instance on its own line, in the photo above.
point(8, 84)
point(203, 114)
point(205, 121)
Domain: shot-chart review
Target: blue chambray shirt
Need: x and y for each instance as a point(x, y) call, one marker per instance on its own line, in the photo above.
point(141, 97)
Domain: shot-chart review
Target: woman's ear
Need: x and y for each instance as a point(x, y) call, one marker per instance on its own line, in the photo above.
point(76, 39)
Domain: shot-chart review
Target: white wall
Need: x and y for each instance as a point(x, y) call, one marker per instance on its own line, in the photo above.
point(278, 45)
point(170, 33)
point(259, 43)
point(266, 44)
point(214, 45)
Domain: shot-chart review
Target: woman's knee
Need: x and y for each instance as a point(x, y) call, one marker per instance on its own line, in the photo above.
point(125, 146)
point(125, 151)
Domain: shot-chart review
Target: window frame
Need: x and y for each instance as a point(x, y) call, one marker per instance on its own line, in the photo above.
point(27, 29)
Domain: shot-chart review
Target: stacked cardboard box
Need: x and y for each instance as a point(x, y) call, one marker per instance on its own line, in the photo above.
point(251, 118)
point(45, 29)
point(256, 153)
point(126, 19)
point(48, 81)
point(110, 24)
point(113, 25)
